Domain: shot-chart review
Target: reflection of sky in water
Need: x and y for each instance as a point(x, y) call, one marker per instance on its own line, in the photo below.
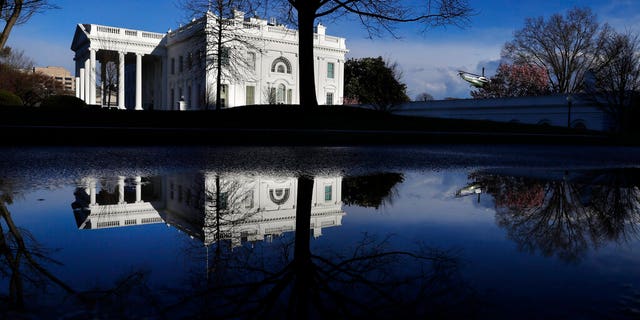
point(422, 210)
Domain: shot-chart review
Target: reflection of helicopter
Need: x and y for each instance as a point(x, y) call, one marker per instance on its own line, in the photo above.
point(476, 80)
point(470, 190)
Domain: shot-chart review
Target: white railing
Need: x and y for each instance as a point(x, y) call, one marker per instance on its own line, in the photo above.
point(152, 35)
point(124, 32)
point(108, 29)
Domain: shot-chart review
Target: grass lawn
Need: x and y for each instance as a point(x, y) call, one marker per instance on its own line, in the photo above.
point(262, 124)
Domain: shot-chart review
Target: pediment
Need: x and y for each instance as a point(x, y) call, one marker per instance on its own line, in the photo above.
point(80, 38)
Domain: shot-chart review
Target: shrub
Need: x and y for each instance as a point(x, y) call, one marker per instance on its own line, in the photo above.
point(8, 98)
point(63, 102)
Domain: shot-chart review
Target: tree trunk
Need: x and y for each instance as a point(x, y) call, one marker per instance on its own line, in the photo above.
point(13, 18)
point(303, 268)
point(219, 67)
point(306, 17)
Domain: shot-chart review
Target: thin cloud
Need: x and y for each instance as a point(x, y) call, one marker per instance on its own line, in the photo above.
point(432, 67)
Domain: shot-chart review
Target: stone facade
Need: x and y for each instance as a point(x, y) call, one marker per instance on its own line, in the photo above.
point(177, 69)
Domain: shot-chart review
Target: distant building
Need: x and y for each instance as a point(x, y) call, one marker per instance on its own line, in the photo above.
point(159, 70)
point(61, 76)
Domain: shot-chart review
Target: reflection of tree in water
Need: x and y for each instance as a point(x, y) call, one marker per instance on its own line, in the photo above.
point(372, 190)
point(33, 290)
point(564, 217)
point(22, 258)
point(294, 282)
point(615, 201)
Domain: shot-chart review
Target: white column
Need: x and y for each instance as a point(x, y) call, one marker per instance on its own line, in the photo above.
point(77, 85)
point(138, 189)
point(81, 85)
point(340, 70)
point(121, 80)
point(87, 85)
point(121, 190)
point(165, 92)
point(92, 76)
point(103, 79)
point(138, 81)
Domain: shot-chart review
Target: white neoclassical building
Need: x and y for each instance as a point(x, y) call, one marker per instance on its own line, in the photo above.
point(250, 208)
point(166, 71)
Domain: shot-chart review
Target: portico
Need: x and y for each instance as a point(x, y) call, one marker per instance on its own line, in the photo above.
point(136, 58)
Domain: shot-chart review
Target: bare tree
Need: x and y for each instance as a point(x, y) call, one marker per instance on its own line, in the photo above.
point(16, 59)
point(16, 12)
point(230, 51)
point(566, 46)
point(615, 85)
point(375, 15)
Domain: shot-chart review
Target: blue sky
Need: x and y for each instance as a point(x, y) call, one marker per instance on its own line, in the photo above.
point(428, 61)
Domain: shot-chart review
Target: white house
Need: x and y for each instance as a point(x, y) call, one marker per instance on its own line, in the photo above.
point(250, 208)
point(159, 70)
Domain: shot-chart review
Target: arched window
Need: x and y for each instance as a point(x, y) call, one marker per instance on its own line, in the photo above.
point(281, 65)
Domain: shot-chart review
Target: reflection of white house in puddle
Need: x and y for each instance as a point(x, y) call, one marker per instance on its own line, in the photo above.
point(251, 208)
point(107, 203)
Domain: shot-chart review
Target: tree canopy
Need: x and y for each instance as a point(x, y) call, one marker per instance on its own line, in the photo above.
point(375, 82)
point(615, 83)
point(425, 96)
point(567, 46)
point(515, 80)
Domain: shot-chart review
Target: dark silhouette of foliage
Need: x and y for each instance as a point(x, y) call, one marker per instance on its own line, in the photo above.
point(62, 102)
point(371, 190)
point(425, 96)
point(375, 82)
point(615, 84)
point(9, 99)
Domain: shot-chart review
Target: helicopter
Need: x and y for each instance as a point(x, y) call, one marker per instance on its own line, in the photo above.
point(476, 80)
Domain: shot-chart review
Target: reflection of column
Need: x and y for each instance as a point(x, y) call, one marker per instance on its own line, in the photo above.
point(138, 81)
point(92, 76)
point(138, 189)
point(92, 192)
point(121, 190)
point(121, 80)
